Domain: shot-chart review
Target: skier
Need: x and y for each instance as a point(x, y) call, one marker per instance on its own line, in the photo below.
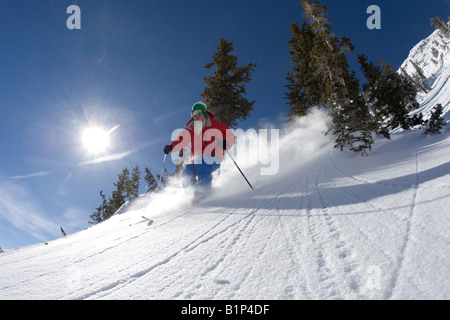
point(209, 138)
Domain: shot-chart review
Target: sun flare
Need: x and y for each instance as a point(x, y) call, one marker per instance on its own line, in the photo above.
point(96, 140)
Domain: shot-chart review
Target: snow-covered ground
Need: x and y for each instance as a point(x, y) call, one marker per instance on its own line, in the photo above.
point(330, 226)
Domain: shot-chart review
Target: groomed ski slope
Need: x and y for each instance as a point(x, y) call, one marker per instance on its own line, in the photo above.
point(329, 225)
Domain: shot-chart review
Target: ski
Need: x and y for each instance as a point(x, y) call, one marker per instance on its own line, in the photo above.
point(148, 219)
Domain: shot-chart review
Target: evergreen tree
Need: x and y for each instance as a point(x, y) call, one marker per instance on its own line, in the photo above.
point(134, 183)
point(225, 91)
point(436, 122)
point(420, 78)
point(103, 212)
point(96, 216)
point(122, 192)
point(152, 185)
point(127, 188)
point(304, 90)
point(416, 120)
point(440, 24)
point(321, 77)
point(418, 82)
point(389, 95)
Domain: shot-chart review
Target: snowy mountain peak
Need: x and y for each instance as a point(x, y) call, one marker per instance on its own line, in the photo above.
point(428, 65)
point(429, 55)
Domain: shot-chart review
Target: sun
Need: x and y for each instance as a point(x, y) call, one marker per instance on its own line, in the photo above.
point(96, 140)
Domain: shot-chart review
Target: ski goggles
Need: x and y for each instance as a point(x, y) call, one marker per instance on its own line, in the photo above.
point(196, 113)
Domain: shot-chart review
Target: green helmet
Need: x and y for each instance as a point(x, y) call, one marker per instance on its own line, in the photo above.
point(199, 106)
point(198, 109)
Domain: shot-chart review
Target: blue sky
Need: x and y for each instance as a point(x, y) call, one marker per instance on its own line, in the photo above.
point(137, 66)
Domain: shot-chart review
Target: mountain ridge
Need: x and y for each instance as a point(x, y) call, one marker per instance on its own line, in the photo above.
point(428, 64)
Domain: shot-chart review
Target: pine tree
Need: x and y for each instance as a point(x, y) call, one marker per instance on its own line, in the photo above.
point(96, 216)
point(416, 81)
point(122, 192)
point(152, 185)
point(440, 24)
point(103, 212)
point(436, 122)
point(225, 91)
point(127, 188)
point(304, 90)
point(389, 95)
point(134, 183)
point(321, 77)
point(420, 77)
point(416, 120)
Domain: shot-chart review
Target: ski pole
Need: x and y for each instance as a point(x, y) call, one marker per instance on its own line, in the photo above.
point(239, 169)
point(162, 169)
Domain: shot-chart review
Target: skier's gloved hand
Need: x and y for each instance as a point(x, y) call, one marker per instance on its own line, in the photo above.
point(168, 148)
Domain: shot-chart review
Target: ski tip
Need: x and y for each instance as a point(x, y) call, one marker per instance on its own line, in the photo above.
point(148, 219)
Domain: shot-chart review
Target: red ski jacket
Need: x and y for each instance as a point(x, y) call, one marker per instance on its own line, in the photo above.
point(206, 138)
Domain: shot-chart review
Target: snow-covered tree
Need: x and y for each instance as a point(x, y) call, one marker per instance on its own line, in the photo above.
point(436, 122)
